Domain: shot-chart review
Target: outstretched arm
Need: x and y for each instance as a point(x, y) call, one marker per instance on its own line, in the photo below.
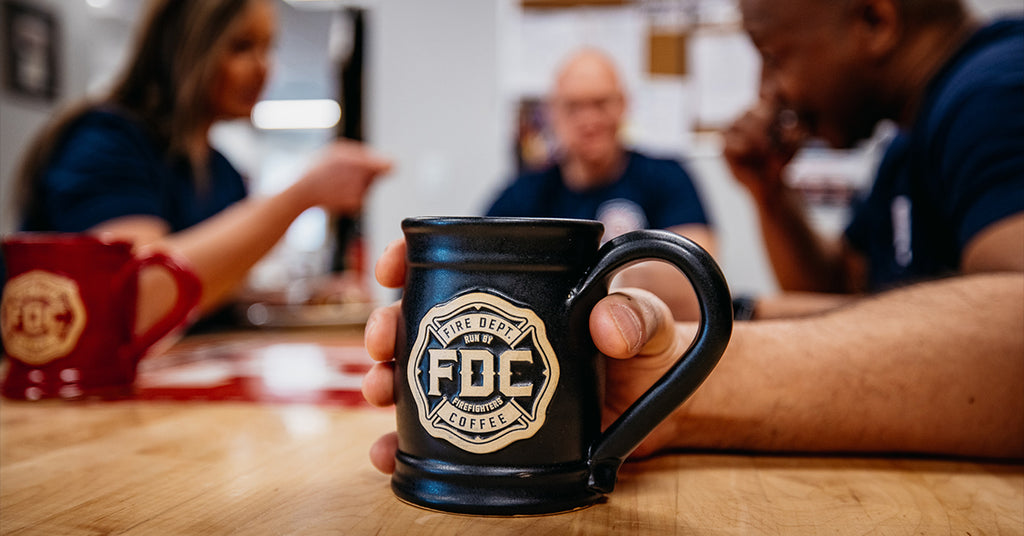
point(223, 248)
point(934, 368)
point(996, 248)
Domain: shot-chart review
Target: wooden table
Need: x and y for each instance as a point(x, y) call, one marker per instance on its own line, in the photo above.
point(170, 467)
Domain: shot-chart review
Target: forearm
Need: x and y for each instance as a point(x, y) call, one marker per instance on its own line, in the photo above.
point(947, 377)
point(801, 260)
point(223, 248)
point(798, 304)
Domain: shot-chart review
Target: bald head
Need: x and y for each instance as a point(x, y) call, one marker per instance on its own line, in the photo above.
point(587, 67)
point(587, 107)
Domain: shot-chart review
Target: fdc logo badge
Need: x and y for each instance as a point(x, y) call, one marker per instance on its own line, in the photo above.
point(482, 372)
point(41, 316)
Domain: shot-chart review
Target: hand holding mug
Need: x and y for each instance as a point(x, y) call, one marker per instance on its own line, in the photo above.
point(631, 326)
point(497, 380)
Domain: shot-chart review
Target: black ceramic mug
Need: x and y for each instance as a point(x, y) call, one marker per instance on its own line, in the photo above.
point(498, 384)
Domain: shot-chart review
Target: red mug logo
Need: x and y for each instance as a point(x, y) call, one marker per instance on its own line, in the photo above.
point(482, 372)
point(42, 316)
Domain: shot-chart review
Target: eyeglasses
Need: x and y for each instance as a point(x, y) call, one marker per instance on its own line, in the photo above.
point(573, 108)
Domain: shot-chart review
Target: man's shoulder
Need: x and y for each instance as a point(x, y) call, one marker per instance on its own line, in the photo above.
point(990, 65)
point(651, 159)
point(995, 53)
point(972, 100)
point(650, 168)
point(537, 178)
point(522, 195)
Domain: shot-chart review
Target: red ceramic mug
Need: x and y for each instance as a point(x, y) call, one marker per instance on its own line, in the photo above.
point(68, 314)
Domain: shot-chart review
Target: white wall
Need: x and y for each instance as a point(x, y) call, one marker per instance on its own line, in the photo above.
point(21, 117)
point(990, 8)
point(436, 106)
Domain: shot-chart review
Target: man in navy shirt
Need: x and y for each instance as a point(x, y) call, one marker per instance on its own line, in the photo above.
point(597, 178)
point(949, 192)
point(955, 171)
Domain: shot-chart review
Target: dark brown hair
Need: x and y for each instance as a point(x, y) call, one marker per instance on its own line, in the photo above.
point(164, 85)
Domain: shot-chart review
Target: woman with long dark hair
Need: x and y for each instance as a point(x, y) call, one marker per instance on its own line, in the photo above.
point(136, 163)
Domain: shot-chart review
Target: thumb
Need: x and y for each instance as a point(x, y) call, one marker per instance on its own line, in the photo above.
point(377, 163)
point(632, 322)
point(368, 158)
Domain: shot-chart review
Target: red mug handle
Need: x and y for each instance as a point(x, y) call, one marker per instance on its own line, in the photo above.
point(189, 291)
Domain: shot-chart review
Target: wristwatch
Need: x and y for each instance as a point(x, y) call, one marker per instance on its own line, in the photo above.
point(744, 307)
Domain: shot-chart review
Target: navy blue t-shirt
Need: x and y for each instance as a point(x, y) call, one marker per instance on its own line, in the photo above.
point(957, 170)
point(652, 193)
point(108, 166)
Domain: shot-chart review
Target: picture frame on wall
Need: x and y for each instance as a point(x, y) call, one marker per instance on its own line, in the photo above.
point(535, 144)
point(31, 41)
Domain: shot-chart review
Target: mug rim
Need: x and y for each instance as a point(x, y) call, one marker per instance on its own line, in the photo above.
point(59, 238)
point(497, 221)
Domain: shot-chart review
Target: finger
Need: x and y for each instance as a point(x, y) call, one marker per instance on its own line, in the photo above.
point(390, 268)
point(380, 164)
point(737, 144)
point(382, 453)
point(747, 137)
point(375, 164)
point(379, 385)
point(755, 129)
point(764, 111)
point(373, 161)
point(632, 322)
point(788, 131)
point(380, 332)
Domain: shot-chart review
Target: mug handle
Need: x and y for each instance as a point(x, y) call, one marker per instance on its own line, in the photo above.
point(689, 371)
point(189, 292)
